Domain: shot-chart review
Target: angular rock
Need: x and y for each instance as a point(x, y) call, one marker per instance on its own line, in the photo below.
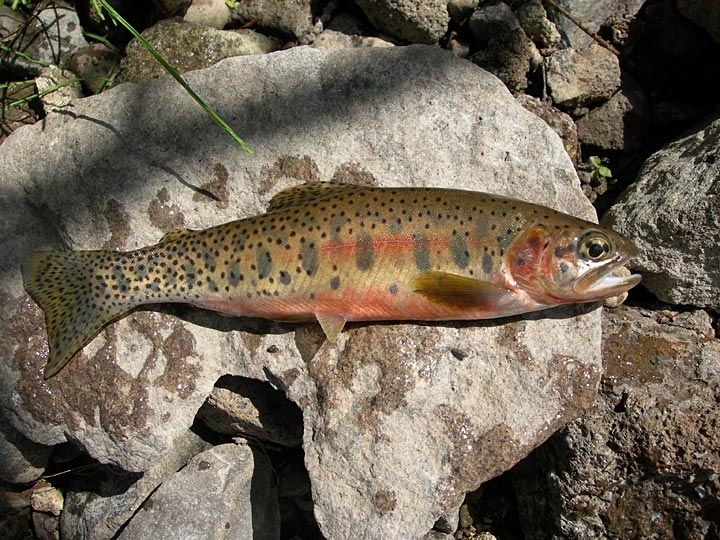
point(187, 47)
point(252, 409)
point(330, 39)
point(582, 77)
point(52, 36)
point(225, 492)
point(21, 460)
point(400, 420)
point(212, 13)
point(98, 514)
point(592, 14)
point(704, 13)
point(621, 123)
point(644, 462)
point(292, 18)
point(416, 21)
point(560, 122)
point(672, 212)
point(533, 20)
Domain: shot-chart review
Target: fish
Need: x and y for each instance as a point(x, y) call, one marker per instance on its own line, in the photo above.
point(332, 253)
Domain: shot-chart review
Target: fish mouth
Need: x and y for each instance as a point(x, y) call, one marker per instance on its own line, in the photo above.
point(602, 283)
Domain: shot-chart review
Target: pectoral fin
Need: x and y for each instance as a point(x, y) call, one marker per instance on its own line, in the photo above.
point(331, 323)
point(460, 292)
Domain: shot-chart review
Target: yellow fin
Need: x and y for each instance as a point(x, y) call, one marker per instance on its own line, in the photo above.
point(177, 234)
point(61, 282)
point(303, 193)
point(331, 324)
point(460, 292)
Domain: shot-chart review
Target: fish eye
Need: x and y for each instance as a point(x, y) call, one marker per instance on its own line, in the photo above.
point(594, 247)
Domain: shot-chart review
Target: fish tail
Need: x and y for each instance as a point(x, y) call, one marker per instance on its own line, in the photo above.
point(62, 284)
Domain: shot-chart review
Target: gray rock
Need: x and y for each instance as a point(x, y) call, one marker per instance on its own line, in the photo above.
point(57, 88)
point(187, 47)
point(417, 21)
point(51, 37)
point(460, 10)
point(330, 39)
point(559, 121)
point(672, 211)
point(225, 492)
point(396, 427)
point(490, 21)
point(252, 409)
point(212, 13)
point(506, 51)
point(592, 14)
point(21, 460)
point(95, 66)
point(292, 18)
point(533, 19)
point(621, 123)
point(582, 77)
point(644, 462)
point(98, 513)
point(704, 13)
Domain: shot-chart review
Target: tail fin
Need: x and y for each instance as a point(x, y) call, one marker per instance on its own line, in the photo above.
point(63, 285)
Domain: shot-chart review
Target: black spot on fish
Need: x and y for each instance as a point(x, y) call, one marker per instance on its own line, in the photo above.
point(487, 263)
point(335, 283)
point(284, 277)
point(393, 289)
point(364, 253)
point(459, 251)
point(421, 253)
point(234, 276)
point(263, 261)
point(309, 257)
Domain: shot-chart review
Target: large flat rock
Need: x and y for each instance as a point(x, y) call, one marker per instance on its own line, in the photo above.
point(399, 420)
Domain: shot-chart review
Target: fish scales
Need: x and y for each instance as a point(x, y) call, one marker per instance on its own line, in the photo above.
point(340, 252)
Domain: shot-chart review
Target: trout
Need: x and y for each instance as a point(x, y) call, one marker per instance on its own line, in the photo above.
point(340, 252)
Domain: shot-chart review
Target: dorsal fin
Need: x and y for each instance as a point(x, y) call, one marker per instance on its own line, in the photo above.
point(303, 193)
point(177, 234)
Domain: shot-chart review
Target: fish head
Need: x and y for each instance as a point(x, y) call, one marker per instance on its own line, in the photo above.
point(571, 262)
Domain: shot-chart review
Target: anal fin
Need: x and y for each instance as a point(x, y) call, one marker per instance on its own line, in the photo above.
point(331, 323)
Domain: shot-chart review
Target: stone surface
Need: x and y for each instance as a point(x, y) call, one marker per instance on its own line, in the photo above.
point(672, 212)
point(621, 123)
point(252, 409)
point(506, 51)
point(582, 77)
point(534, 22)
point(21, 460)
point(560, 122)
point(292, 18)
point(187, 47)
point(232, 495)
point(399, 420)
point(644, 463)
point(704, 13)
point(98, 513)
point(53, 37)
point(212, 13)
point(592, 14)
point(57, 88)
point(330, 39)
point(95, 66)
point(416, 21)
